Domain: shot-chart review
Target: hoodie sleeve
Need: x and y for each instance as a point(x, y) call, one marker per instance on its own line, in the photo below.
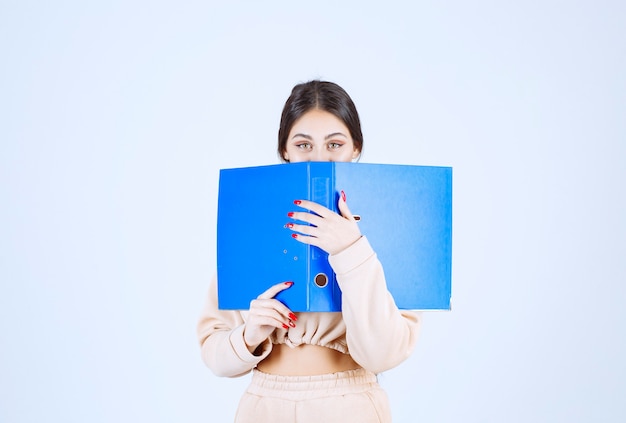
point(379, 335)
point(220, 333)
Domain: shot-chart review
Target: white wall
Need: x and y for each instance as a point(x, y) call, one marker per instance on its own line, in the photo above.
point(116, 117)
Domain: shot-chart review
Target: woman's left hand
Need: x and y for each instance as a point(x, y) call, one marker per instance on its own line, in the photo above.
point(330, 231)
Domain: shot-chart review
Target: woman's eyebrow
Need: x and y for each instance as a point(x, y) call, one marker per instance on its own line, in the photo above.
point(308, 137)
point(334, 134)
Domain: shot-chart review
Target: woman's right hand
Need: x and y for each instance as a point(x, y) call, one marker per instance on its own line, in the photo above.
point(266, 314)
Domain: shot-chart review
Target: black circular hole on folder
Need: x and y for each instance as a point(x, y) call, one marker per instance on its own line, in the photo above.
point(321, 280)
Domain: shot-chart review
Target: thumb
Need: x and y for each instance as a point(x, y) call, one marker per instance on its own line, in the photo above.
point(343, 207)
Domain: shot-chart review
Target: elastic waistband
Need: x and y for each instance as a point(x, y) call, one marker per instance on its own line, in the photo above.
point(308, 387)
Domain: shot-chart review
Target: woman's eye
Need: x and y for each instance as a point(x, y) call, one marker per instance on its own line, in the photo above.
point(334, 145)
point(304, 146)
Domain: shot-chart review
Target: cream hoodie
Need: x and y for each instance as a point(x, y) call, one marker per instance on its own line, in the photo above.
point(370, 327)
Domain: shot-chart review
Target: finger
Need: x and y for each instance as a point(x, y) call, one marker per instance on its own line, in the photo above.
point(272, 316)
point(301, 229)
point(275, 289)
point(314, 207)
point(305, 239)
point(269, 306)
point(343, 207)
point(264, 317)
point(310, 218)
point(255, 333)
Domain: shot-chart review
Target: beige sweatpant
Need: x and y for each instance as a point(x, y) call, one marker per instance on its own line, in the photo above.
point(344, 397)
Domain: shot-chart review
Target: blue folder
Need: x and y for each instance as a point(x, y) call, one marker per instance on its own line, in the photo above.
point(405, 212)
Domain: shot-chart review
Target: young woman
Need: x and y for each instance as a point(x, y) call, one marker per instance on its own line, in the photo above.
point(315, 367)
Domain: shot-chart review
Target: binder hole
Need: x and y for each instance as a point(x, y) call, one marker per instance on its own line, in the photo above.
point(295, 258)
point(321, 280)
point(284, 251)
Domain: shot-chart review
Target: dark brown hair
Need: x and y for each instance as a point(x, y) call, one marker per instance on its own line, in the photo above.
point(321, 95)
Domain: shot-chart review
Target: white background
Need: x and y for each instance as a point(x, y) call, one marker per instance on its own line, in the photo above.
point(115, 118)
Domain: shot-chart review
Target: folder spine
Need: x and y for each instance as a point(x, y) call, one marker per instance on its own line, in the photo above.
point(322, 285)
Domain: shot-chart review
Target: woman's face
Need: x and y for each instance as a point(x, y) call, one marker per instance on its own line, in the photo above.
point(319, 136)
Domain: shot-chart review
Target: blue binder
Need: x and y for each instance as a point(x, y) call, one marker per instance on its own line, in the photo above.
point(405, 212)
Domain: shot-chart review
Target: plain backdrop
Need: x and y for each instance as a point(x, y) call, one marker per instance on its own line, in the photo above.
point(116, 116)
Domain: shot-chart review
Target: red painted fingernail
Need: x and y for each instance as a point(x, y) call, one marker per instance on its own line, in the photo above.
point(289, 225)
point(292, 324)
point(294, 235)
point(285, 326)
point(293, 317)
point(297, 202)
point(343, 196)
point(290, 214)
point(288, 283)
